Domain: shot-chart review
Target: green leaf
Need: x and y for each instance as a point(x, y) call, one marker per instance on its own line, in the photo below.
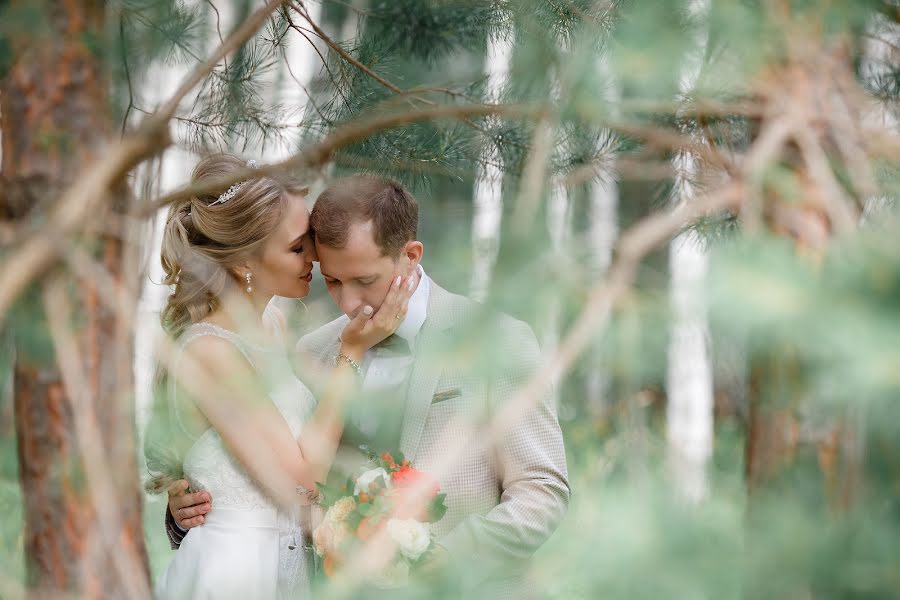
point(353, 520)
point(437, 509)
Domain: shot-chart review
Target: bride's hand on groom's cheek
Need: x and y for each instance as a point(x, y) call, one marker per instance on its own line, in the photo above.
point(188, 508)
point(365, 329)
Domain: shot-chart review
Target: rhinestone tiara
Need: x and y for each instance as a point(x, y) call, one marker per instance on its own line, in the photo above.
point(233, 190)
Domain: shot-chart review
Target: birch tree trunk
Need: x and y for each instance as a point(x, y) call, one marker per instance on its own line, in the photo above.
point(290, 83)
point(604, 230)
point(602, 235)
point(689, 385)
point(154, 178)
point(559, 225)
point(73, 370)
point(487, 219)
point(689, 411)
point(350, 26)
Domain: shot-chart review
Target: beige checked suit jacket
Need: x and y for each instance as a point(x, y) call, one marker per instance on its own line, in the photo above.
point(505, 497)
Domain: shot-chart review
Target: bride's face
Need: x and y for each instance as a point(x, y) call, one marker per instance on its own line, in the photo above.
point(285, 266)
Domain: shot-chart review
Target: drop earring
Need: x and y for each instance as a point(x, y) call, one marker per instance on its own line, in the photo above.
point(247, 278)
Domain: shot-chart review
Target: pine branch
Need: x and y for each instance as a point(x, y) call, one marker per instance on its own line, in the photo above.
point(634, 245)
point(343, 53)
point(234, 41)
point(215, 10)
point(303, 33)
point(127, 74)
point(92, 190)
point(177, 39)
point(318, 154)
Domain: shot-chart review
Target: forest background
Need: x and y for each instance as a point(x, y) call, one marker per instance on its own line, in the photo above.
point(692, 202)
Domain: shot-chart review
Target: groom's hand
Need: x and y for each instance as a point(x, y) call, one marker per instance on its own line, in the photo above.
point(188, 509)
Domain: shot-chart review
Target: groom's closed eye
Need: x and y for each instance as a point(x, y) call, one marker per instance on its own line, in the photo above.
point(362, 282)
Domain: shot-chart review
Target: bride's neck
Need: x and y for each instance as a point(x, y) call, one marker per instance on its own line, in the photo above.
point(240, 312)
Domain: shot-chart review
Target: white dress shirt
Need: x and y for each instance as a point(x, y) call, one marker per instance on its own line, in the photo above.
point(384, 368)
point(386, 372)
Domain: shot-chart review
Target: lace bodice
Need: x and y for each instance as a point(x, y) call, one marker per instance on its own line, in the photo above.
point(208, 465)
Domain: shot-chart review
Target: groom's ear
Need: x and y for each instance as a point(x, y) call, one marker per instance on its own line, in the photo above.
point(412, 254)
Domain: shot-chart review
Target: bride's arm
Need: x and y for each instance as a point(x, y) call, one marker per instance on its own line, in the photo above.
point(219, 378)
point(322, 433)
point(226, 390)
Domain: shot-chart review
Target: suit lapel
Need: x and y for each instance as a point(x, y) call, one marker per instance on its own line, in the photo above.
point(426, 370)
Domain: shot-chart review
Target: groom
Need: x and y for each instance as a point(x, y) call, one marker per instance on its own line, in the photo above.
point(430, 387)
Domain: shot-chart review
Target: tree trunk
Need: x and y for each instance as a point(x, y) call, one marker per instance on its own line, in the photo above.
point(603, 232)
point(604, 203)
point(486, 222)
point(785, 438)
point(72, 377)
point(689, 384)
point(559, 225)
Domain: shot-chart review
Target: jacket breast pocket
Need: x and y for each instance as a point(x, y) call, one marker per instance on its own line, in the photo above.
point(457, 398)
point(445, 395)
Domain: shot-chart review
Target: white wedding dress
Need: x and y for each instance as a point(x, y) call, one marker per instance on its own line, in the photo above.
point(246, 548)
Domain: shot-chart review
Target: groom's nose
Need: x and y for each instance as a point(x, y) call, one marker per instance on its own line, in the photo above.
point(349, 302)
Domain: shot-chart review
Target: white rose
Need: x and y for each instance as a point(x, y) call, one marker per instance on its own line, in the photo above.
point(363, 481)
point(411, 536)
point(341, 509)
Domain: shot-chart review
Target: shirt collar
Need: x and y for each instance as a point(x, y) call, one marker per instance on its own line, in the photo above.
point(417, 310)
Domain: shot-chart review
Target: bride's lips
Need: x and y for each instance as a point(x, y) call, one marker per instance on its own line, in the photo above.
point(307, 278)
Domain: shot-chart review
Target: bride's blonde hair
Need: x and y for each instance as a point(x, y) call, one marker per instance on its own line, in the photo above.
point(203, 240)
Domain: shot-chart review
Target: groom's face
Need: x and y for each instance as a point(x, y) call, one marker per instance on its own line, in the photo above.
point(358, 275)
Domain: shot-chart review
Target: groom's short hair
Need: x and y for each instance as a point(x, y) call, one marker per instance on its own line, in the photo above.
point(389, 206)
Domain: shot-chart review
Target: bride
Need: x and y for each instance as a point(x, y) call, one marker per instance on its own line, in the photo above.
point(231, 413)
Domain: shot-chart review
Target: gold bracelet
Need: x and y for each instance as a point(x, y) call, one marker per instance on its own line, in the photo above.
point(341, 356)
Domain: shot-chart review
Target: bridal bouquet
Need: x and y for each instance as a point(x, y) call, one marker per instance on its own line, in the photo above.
point(393, 499)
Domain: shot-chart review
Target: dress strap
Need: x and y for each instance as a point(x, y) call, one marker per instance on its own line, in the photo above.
point(198, 330)
point(194, 332)
point(274, 323)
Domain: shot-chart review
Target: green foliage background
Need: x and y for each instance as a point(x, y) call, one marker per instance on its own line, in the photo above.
point(627, 535)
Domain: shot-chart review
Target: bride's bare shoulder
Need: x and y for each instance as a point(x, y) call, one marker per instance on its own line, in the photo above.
point(216, 354)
